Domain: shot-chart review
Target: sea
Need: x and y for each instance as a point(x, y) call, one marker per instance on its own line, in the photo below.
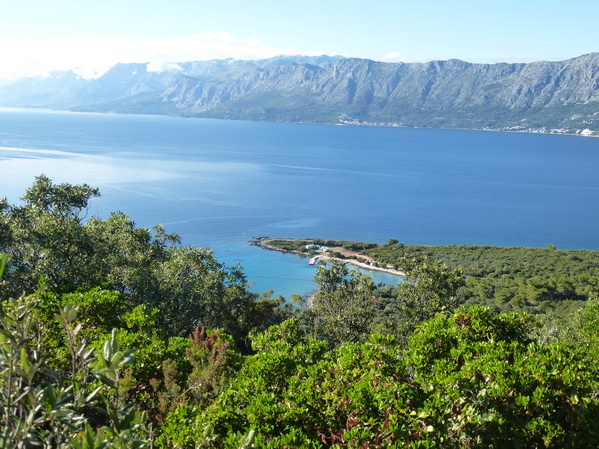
point(220, 184)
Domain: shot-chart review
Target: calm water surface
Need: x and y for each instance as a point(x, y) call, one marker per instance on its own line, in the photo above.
point(221, 183)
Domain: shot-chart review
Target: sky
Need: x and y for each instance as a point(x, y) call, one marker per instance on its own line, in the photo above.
point(90, 36)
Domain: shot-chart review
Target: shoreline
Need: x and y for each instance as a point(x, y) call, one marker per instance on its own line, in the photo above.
point(261, 242)
point(579, 132)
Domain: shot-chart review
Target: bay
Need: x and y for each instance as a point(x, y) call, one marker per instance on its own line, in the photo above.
point(221, 183)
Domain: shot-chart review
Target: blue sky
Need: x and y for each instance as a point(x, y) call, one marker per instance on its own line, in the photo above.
point(91, 35)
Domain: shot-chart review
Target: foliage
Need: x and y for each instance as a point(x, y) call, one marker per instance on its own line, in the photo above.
point(44, 237)
point(98, 310)
point(280, 352)
point(343, 308)
point(491, 385)
point(538, 280)
point(146, 324)
point(469, 380)
point(44, 407)
point(581, 334)
point(48, 240)
point(299, 245)
point(214, 361)
point(157, 374)
point(428, 288)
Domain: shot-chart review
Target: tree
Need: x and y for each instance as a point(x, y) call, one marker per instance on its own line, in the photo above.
point(344, 306)
point(44, 237)
point(195, 290)
point(50, 241)
point(429, 287)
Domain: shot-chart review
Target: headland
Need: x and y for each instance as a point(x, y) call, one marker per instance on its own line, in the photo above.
point(325, 250)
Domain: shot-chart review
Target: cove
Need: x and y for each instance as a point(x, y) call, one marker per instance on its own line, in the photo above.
point(221, 183)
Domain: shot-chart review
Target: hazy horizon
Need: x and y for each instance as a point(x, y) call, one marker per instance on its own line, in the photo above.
point(37, 37)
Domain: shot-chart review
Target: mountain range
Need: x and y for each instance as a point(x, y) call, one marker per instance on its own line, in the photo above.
point(544, 96)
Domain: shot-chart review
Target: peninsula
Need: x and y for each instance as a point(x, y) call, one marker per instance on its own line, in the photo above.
point(538, 280)
point(324, 250)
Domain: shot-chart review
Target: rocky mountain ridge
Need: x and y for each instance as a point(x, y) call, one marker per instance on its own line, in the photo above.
point(556, 96)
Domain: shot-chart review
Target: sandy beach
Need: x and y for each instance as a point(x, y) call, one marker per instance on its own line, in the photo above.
point(263, 243)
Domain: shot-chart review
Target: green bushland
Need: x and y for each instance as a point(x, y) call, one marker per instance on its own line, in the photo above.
point(299, 245)
point(469, 379)
point(506, 279)
point(537, 280)
point(114, 336)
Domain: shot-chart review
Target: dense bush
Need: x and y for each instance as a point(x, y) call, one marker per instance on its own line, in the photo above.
point(78, 406)
point(469, 380)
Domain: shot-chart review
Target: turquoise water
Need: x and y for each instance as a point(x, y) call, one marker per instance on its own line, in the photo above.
point(221, 183)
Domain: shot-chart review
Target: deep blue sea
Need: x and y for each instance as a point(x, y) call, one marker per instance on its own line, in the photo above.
point(220, 183)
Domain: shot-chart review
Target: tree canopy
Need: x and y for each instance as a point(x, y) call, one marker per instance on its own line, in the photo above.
point(49, 242)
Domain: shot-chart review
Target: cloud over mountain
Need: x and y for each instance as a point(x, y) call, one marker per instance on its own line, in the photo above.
point(93, 56)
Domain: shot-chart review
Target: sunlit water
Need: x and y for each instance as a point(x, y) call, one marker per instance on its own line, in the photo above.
point(221, 183)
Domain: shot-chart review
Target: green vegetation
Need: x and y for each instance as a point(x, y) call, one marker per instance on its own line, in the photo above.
point(468, 380)
point(113, 336)
point(343, 308)
point(535, 280)
point(298, 245)
point(48, 241)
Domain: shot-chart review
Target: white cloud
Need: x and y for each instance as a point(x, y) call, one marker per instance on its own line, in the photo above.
point(395, 56)
point(391, 57)
point(92, 56)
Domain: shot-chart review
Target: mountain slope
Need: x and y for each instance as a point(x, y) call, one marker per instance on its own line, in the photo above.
point(562, 95)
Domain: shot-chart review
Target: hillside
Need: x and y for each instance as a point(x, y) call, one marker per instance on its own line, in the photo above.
point(559, 96)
